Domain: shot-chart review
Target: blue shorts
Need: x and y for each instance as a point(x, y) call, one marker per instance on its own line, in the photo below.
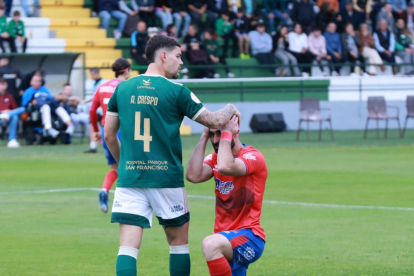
point(108, 155)
point(247, 248)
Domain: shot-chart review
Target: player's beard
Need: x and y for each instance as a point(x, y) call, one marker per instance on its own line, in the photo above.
point(216, 145)
point(176, 75)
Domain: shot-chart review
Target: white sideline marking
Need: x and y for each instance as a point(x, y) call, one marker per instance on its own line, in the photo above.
point(212, 198)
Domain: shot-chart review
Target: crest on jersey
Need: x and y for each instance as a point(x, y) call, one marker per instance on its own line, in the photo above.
point(224, 187)
point(249, 155)
point(194, 98)
point(146, 82)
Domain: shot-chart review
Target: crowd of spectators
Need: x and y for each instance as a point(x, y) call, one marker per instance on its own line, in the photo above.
point(27, 98)
point(295, 33)
point(11, 31)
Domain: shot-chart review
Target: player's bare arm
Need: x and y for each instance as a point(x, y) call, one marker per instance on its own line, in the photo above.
point(218, 118)
point(111, 138)
point(226, 163)
point(197, 171)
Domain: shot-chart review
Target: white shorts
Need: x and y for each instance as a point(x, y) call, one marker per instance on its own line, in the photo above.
point(134, 206)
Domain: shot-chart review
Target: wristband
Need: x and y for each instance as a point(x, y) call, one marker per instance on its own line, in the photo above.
point(226, 135)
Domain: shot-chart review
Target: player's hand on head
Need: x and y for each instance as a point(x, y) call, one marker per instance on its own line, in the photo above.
point(232, 125)
point(206, 132)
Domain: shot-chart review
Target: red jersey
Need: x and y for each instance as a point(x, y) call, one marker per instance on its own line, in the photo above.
point(7, 102)
point(239, 198)
point(101, 99)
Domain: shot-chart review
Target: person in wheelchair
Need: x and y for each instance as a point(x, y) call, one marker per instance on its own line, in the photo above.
point(39, 98)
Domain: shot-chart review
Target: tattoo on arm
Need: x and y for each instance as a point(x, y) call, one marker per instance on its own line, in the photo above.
point(216, 119)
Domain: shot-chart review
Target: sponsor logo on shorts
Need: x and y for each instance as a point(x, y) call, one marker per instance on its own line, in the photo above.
point(247, 254)
point(224, 187)
point(117, 204)
point(176, 208)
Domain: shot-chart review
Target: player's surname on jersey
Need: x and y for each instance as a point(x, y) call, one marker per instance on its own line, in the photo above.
point(154, 165)
point(144, 100)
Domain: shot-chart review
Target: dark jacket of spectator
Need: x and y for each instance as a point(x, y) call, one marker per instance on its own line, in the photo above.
point(139, 41)
point(218, 6)
point(108, 5)
point(325, 16)
point(197, 3)
point(178, 5)
point(275, 39)
point(304, 14)
point(241, 25)
point(333, 42)
point(384, 41)
point(348, 16)
point(145, 3)
point(271, 5)
point(11, 74)
point(408, 19)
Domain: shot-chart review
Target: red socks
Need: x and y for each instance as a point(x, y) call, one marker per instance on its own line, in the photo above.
point(219, 267)
point(110, 178)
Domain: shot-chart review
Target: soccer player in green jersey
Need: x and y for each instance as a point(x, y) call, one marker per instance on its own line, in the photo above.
point(148, 109)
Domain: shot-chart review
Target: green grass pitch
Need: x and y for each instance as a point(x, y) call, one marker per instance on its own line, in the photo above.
point(64, 233)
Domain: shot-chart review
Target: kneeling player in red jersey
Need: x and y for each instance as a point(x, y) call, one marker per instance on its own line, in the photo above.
point(240, 174)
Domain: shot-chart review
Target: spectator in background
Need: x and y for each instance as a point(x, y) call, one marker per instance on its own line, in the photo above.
point(376, 8)
point(325, 16)
point(196, 54)
point(304, 14)
point(40, 98)
point(241, 28)
point(8, 5)
point(403, 47)
point(171, 32)
point(386, 15)
point(197, 8)
point(96, 77)
point(334, 47)
point(351, 44)
point(213, 51)
point(249, 8)
point(9, 114)
point(16, 31)
point(367, 48)
point(4, 34)
point(280, 49)
point(362, 10)
point(398, 7)
point(163, 10)
point(218, 6)
point(275, 9)
point(225, 29)
point(385, 43)
point(262, 44)
point(139, 40)
point(333, 4)
point(180, 14)
point(348, 15)
point(11, 75)
point(317, 47)
point(298, 46)
point(147, 11)
point(26, 8)
point(25, 84)
point(408, 17)
point(108, 9)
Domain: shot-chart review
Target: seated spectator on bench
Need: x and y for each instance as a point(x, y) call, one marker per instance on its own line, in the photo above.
point(12, 75)
point(241, 29)
point(163, 10)
point(198, 8)
point(147, 11)
point(262, 45)
point(385, 43)
point(334, 47)
point(108, 9)
point(171, 32)
point(403, 47)
point(28, 78)
point(280, 48)
point(386, 15)
point(225, 29)
point(303, 13)
point(9, 113)
point(4, 34)
point(213, 51)
point(180, 14)
point(299, 48)
point(40, 99)
point(16, 31)
point(317, 47)
point(139, 40)
point(351, 44)
point(71, 103)
point(367, 48)
point(275, 9)
point(408, 17)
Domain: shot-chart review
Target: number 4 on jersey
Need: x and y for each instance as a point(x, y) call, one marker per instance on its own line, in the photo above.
point(146, 138)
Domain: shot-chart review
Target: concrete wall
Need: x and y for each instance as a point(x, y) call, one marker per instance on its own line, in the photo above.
point(346, 115)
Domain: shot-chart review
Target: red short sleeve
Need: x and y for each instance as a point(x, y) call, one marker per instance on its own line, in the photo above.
point(254, 161)
point(209, 160)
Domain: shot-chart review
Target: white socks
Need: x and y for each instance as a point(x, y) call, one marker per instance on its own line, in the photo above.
point(92, 145)
point(128, 251)
point(179, 249)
